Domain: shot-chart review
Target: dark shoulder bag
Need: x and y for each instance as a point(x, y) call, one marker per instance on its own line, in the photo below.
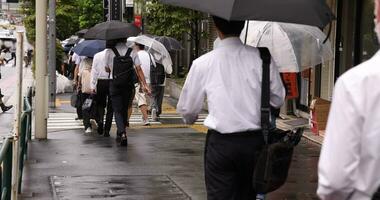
point(273, 161)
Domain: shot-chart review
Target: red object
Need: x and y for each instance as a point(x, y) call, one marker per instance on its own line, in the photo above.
point(290, 81)
point(314, 125)
point(138, 21)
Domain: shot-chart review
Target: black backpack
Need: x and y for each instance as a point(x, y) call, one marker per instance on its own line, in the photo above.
point(157, 73)
point(123, 71)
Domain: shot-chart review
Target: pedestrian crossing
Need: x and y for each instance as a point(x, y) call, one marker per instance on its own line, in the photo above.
point(66, 121)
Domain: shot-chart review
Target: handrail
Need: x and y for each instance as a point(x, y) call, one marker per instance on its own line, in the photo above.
point(4, 148)
point(4, 193)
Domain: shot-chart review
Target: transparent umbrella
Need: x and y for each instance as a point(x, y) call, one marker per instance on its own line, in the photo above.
point(294, 47)
point(158, 50)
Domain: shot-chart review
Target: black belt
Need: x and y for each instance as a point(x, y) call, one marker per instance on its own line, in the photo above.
point(244, 133)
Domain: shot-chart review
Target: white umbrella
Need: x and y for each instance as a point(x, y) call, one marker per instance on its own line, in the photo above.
point(294, 47)
point(158, 50)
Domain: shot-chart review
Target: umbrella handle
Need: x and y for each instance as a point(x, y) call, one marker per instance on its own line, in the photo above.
point(328, 34)
point(246, 33)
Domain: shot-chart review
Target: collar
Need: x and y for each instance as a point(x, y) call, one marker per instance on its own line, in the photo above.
point(230, 41)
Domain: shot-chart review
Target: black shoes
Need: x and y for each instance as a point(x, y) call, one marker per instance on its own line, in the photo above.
point(122, 139)
point(5, 108)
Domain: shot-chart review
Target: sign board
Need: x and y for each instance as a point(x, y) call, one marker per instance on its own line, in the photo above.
point(116, 9)
point(291, 86)
point(12, 1)
point(128, 3)
point(138, 21)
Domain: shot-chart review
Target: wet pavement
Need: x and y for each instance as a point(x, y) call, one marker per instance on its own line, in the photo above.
point(161, 162)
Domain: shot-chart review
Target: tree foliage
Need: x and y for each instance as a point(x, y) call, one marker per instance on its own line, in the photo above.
point(91, 13)
point(71, 16)
point(174, 22)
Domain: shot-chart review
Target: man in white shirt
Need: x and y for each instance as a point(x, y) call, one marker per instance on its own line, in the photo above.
point(100, 84)
point(350, 157)
point(142, 99)
point(230, 77)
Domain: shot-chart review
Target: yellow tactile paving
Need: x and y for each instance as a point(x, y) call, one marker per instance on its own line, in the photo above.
point(59, 102)
point(167, 108)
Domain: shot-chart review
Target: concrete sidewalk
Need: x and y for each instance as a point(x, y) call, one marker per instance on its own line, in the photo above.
point(162, 161)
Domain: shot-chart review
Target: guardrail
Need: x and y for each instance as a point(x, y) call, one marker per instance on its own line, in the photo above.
point(6, 151)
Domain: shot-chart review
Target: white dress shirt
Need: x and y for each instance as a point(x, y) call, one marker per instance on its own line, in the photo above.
point(99, 69)
point(145, 59)
point(230, 77)
point(350, 157)
point(122, 48)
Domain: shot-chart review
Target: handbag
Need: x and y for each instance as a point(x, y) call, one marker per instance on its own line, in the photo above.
point(274, 159)
point(74, 99)
point(87, 104)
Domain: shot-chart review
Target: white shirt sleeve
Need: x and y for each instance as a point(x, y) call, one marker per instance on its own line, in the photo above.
point(94, 73)
point(340, 154)
point(192, 96)
point(277, 97)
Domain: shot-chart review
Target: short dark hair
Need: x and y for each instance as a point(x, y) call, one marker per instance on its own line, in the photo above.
point(141, 46)
point(233, 28)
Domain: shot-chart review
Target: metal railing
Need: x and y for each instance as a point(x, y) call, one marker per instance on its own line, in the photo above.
point(6, 151)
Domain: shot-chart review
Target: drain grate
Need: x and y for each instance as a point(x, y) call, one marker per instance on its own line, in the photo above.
point(129, 187)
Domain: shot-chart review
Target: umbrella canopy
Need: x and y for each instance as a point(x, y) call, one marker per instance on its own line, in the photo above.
point(112, 30)
point(309, 12)
point(294, 47)
point(81, 32)
point(158, 50)
point(89, 47)
point(171, 44)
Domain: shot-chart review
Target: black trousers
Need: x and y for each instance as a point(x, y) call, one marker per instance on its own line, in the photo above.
point(103, 101)
point(121, 99)
point(79, 105)
point(157, 98)
point(229, 164)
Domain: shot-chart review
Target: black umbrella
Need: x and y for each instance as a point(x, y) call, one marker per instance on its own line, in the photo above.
point(170, 43)
point(112, 30)
point(309, 12)
point(81, 32)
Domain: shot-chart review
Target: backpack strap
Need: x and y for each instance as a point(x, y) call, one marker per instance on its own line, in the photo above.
point(115, 51)
point(129, 51)
point(265, 92)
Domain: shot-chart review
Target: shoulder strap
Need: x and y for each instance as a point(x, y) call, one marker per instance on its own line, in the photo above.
point(265, 92)
point(115, 51)
point(128, 52)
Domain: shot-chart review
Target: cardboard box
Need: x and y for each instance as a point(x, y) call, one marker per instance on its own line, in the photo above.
point(319, 114)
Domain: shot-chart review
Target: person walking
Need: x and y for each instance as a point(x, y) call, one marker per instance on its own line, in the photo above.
point(158, 90)
point(3, 107)
point(350, 155)
point(100, 85)
point(85, 85)
point(122, 95)
point(230, 77)
point(141, 97)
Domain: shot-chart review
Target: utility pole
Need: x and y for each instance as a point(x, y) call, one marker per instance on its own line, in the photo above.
point(41, 68)
point(19, 108)
point(52, 54)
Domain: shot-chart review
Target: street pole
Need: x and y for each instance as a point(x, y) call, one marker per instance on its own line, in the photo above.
point(19, 108)
point(41, 68)
point(52, 54)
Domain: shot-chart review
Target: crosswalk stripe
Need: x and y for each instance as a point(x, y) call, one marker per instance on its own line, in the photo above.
point(66, 121)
